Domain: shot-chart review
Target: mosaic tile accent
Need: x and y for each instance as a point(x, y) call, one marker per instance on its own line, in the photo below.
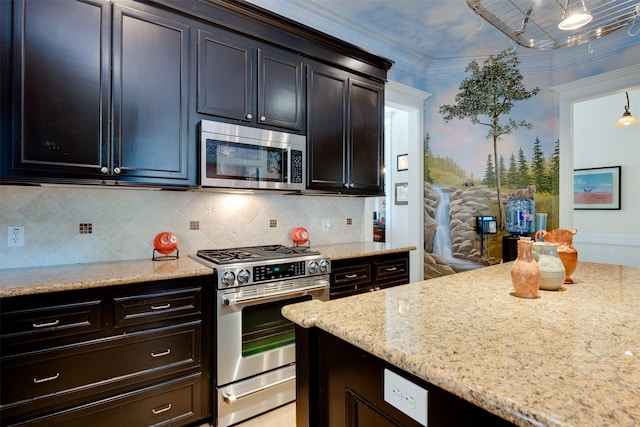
point(124, 222)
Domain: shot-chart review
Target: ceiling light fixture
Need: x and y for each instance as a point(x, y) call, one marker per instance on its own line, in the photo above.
point(575, 15)
point(627, 119)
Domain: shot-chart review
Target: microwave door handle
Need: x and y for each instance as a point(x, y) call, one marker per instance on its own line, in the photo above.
point(287, 293)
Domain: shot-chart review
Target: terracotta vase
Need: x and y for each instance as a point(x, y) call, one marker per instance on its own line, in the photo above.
point(566, 252)
point(525, 273)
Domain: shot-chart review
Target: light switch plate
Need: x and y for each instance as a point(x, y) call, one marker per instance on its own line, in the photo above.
point(408, 397)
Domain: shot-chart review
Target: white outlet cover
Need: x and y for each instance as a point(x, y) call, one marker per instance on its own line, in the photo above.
point(408, 397)
point(15, 236)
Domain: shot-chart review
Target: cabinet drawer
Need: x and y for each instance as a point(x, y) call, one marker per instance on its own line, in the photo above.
point(51, 322)
point(392, 269)
point(84, 368)
point(154, 307)
point(176, 402)
point(352, 275)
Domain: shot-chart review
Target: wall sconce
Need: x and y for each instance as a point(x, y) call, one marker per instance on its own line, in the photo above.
point(627, 119)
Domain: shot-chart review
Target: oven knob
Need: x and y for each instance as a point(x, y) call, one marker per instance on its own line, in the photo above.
point(324, 266)
point(228, 278)
point(243, 276)
point(313, 267)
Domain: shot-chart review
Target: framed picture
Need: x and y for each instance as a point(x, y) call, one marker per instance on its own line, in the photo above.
point(596, 188)
point(402, 193)
point(403, 162)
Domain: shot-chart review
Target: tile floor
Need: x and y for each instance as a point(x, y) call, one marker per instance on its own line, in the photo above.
point(285, 416)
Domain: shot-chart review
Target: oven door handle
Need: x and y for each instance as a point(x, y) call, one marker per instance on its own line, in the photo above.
point(324, 284)
point(230, 398)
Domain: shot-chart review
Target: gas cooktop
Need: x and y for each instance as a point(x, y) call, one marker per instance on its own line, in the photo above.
point(254, 253)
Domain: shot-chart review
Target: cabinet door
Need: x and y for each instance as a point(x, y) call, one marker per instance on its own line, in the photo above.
point(225, 75)
point(61, 86)
point(327, 94)
point(150, 94)
point(366, 108)
point(280, 88)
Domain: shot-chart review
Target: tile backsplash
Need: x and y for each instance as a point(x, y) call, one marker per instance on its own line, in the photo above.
point(120, 224)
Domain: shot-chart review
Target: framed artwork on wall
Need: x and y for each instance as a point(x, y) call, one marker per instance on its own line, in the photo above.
point(402, 193)
point(597, 188)
point(403, 162)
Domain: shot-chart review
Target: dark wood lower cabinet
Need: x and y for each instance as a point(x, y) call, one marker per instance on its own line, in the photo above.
point(358, 275)
point(130, 355)
point(339, 384)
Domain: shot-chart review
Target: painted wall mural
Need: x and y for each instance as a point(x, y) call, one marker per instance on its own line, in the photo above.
point(460, 177)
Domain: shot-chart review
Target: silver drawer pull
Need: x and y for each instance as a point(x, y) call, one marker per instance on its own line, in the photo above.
point(157, 411)
point(161, 307)
point(162, 353)
point(45, 379)
point(46, 325)
point(351, 276)
point(392, 268)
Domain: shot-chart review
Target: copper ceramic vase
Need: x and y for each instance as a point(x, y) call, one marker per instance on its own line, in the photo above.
point(525, 273)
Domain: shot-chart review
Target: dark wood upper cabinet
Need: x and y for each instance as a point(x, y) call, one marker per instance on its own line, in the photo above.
point(112, 91)
point(150, 94)
point(243, 79)
point(62, 86)
point(345, 132)
point(100, 91)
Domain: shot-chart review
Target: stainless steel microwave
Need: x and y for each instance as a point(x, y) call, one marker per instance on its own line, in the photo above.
point(233, 156)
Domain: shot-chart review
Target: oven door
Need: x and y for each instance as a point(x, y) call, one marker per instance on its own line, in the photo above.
point(252, 336)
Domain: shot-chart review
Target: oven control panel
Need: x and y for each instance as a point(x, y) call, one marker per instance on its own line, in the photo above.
point(282, 270)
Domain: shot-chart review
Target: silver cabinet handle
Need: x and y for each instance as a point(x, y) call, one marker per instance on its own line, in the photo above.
point(249, 116)
point(117, 171)
point(346, 185)
point(45, 379)
point(161, 353)
point(351, 276)
point(104, 169)
point(157, 411)
point(263, 118)
point(351, 185)
point(161, 307)
point(392, 268)
point(45, 325)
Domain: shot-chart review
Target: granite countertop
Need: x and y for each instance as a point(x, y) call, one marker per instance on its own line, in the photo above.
point(28, 281)
point(360, 249)
point(568, 358)
point(36, 280)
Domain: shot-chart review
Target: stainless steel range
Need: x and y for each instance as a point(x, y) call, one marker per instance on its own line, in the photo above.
point(255, 345)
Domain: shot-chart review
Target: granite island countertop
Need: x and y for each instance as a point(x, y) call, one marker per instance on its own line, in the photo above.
point(568, 358)
point(37, 280)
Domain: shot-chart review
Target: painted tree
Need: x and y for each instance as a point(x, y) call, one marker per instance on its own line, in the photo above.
point(554, 169)
point(427, 159)
point(523, 170)
point(489, 173)
point(487, 95)
point(539, 169)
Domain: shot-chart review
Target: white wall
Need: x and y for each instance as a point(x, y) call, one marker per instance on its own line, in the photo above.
point(404, 133)
point(588, 138)
point(609, 236)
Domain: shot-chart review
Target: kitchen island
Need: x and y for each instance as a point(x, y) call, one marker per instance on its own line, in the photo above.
point(568, 358)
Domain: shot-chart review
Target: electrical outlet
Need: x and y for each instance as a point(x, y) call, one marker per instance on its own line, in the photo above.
point(15, 236)
point(326, 225)
point(408, 397)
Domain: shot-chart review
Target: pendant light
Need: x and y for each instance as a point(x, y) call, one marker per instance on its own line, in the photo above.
point(575, 15)
point(627, 119)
